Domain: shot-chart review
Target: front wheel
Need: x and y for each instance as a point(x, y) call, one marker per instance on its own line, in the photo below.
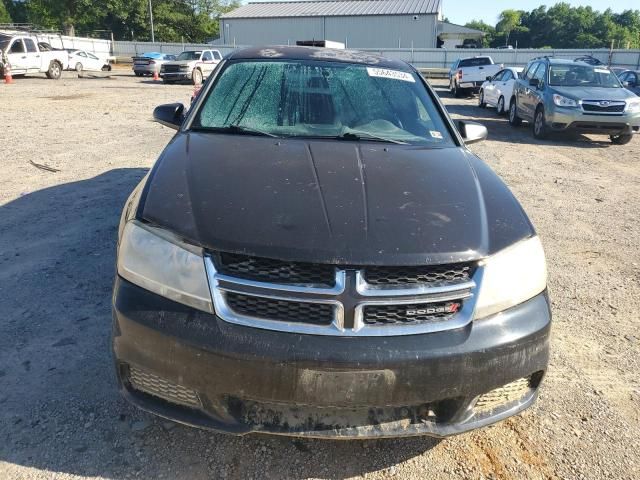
point(55, 70)
point(540, 125)
point(79, 67)
point(500, 107)
point(514, 119)
point(197, 77)
point(621, 139)
point(481, 102)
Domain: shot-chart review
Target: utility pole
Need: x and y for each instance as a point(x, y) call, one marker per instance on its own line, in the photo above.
point(153, 36)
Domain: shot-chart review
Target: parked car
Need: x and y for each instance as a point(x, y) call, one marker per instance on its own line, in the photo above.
point(631, 81)
point(618, 70)
point(193, 65)
point(589, 59)
point(25, 56)
point(317, 253)
point(562, 95)
point(497, 90)
point(150, 63)
point(80, 60)
point(468, 74)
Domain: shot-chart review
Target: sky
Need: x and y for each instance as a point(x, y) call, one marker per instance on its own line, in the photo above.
point(463, 11)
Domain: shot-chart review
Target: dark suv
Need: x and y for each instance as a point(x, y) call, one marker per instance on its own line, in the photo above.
point(559, 95)
point(317, 253)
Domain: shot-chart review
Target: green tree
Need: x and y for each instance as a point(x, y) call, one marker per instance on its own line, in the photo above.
point(5, 17)
point(489, 31)
point(508, 21)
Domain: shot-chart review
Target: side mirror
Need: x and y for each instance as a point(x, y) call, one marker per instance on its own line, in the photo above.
point(627, 84)
point(472, 132)
point(489, 78)
point(170, 115)
point(534, 82)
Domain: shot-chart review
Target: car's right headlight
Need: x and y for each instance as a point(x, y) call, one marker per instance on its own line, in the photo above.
point(634, 106)
point(160, 262)
point(511, 277)
point(563, 101)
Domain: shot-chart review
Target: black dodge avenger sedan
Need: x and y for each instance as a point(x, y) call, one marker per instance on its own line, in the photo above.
point(316, 253)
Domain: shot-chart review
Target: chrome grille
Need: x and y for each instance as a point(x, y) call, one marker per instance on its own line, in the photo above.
point(412, 313)
point(603, 106)
point(432, 275)
point(262, 293)
point(280, 310)
point(276, 271)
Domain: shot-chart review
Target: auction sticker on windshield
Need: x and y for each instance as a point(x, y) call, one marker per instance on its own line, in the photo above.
point(393, 74)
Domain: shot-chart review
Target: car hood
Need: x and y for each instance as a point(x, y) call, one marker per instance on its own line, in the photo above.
point(331, 201)
point(594, 93)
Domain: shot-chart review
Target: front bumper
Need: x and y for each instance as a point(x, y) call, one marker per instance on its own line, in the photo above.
point(242, 380)
point(573, 119)
point(176, 75)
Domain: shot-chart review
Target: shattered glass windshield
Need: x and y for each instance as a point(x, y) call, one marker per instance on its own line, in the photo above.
point(317, 99)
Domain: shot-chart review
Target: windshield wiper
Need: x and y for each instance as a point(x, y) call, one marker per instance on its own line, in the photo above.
point(237, 129)
point(368, 136)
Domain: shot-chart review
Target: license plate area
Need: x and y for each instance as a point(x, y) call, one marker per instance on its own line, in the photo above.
point(346, 388)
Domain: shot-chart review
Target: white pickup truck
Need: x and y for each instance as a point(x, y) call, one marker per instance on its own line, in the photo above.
point(24, 54)
point(191, 65)
point(468, 74)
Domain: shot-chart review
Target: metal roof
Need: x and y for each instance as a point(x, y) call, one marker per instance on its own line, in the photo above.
point(335, 8)
point(446, 27)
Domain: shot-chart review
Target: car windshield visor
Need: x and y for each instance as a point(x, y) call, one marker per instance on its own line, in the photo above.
point(313, 99)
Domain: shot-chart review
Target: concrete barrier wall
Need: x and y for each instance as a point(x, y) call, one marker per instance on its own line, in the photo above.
point(421, 58)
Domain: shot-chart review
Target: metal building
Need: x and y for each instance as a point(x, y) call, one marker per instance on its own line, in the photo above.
point(356, 23)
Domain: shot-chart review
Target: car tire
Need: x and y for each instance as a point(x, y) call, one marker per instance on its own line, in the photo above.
point(55, 70)
point(457, 91)
point(138, 74)
point(514, 119)
point(481, 102)
point(500, 106)
point(540, 130)
point(78, 67)
point(196, 77)
point(621, 139)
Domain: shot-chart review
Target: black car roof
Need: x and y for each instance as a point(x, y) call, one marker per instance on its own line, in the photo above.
point(317, 54)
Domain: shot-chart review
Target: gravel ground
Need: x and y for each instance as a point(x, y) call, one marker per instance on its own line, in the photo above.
point(60, 413)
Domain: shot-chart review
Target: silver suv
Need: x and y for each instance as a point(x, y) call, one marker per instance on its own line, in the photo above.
point(566, 95)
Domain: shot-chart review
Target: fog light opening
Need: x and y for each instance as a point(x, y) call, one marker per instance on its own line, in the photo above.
point(162, 388)
point(509, 393)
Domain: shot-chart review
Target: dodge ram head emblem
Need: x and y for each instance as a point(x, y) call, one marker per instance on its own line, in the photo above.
point(434, 310)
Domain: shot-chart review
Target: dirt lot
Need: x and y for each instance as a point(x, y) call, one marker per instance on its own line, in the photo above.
point(60, 413)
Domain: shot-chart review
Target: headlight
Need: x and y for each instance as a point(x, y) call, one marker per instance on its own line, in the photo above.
point(158, 261)
point(634, 106)
point(561, 101)
point(512, 276)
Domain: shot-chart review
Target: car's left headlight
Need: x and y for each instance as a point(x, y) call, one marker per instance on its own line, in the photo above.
point(634, 106)
point(160, 262)
point(511, 277)
point(563, 101)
